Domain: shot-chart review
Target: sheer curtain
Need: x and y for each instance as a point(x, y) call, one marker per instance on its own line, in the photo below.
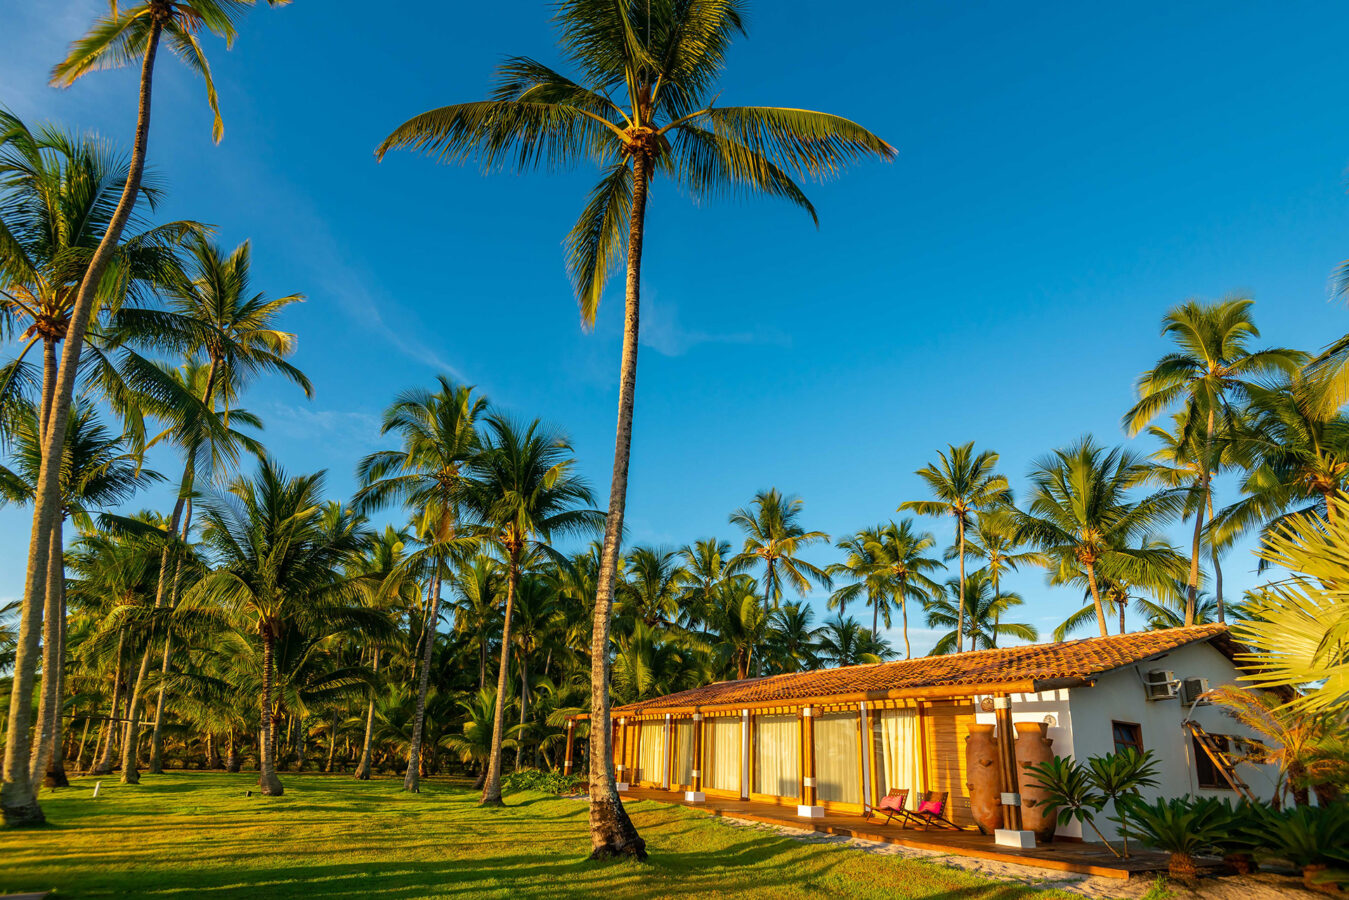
point(777, 755)
point(651, 753)
point(722, 739)
point(838, 765)
point(683, 752)
point(901, 759)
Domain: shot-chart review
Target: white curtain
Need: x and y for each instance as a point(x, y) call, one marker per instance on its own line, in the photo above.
point(838, 764)
point(721, 750)
point(683, 752)
point(651, 753)
point(777, 755)
point(901, 758)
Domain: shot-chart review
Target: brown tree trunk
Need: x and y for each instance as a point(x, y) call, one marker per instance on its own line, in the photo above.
point(1096, 599)
point(84, 738)
point(131, 741)
point(904, 613)
point(524, 701)
point(267, 780)
point(18, 798)
point(611, 831)
point(103, 765)
point(53, 662)
point(363, 769)
point(412, 778)
point(233, 762)
point(491, 791)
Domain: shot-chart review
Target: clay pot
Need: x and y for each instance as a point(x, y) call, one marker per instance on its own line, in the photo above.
point(985, 778)
point(1033, 748)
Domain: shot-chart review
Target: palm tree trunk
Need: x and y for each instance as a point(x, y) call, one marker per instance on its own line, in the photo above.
point(875, 614)
point(332, 743)
point(156, 766)
point(1192, 589)
point(611, 831)
point(363, 770)
point(524, 701)
point(960, 613)
point(18, 799)
point(491, 791)
point(84, 737)
point(904, 611)
point(103, 764)
point(1096, 599)
point(132, 740)
point(412, 779)
point(49, 702)
point(267, 780)
point(233, 762)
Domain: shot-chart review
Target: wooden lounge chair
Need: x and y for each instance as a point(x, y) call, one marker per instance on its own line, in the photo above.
point(892, 804)
point(931, 811)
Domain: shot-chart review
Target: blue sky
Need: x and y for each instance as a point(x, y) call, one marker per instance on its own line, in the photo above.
point(1065, 173)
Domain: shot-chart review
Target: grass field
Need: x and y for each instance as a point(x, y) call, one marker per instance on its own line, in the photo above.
point(199, 835)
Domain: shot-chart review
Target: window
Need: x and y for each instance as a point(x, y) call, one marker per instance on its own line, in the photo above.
point(1127, 734)
point(1210, 776)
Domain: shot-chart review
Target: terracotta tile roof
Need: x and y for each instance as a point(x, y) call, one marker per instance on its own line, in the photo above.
point(1048, 665)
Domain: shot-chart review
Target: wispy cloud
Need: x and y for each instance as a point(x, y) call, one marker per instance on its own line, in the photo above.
point(352, 429)
point(663, 330)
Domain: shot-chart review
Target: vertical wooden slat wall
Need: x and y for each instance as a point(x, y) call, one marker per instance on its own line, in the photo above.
point(946, 724)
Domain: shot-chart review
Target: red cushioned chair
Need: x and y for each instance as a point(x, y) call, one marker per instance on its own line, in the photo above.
point(892, 804)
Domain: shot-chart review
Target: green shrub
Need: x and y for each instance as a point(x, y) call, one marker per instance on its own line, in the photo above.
point(544, 782)
point(1179, 827)
point(1307, 835)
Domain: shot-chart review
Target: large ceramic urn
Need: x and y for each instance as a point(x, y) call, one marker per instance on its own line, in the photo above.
point(1033, 748)
point(984, 778)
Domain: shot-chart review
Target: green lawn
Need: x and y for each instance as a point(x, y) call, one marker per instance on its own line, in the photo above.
point(198, 835)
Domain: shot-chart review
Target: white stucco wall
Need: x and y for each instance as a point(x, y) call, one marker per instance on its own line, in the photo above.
point(1120, 696)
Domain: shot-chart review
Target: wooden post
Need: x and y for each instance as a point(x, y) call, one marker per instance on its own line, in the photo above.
point(809, 807)
point(571, 733)
point(872, 719)
point(669, 752)
point(621, 767)
point(1002, 710)
point(863, 760)
point(697, 785)
point(746, 758)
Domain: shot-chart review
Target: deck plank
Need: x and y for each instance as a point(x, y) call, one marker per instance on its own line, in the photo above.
point(1064, 856)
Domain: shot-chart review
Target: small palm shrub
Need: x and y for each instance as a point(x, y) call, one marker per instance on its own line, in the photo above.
point(1081, 791)
point(1182, 828)
point(1118, 776)
point(1239, 832)
point(1314, 838)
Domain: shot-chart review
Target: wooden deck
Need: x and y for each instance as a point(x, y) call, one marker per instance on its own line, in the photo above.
point(1064, 856)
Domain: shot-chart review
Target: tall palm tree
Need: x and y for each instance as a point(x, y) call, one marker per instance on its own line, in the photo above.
point(963, 483)
point(793, 639)
point(863, 566)
point(124, 35)
point(707, 562)
point(439, 432)
point(98, 472)
point(995, 541)
point(984, 612)
point(902, 557)
point(740, 626)
point(844, 642)
point(1081, 514)
point(280, 566)
point(536, 612)
point(1297, 461)
point(654, 584)
point(1209, 372)
point(1153, 574)
point(478, 595)
point(775, 538)
point(643, 105)
point(522, 493)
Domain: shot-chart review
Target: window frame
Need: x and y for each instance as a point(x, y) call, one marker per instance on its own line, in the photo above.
point(1204, 766)
point(1135, 727)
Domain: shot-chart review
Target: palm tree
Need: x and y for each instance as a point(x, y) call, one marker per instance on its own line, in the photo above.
point(280, 566)
point(793, 641)
point(1155, 574)
point(439, 434)
point(707, 562)
point(523, 491)
point(963, 483)
point(125, 34)
point(983, 611)
point(740, 626)
point(843, 642)
point(98, 472)
point(654, 584)
point(863, 566)
point(478, 594)
point(660, 59)
point(1210, 371)
point(1297, 460)
point(536, 612)
point(774, 537)
point(901, 556)
point(1080, 515)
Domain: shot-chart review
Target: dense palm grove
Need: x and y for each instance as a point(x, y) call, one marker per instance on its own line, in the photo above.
point(442, 619)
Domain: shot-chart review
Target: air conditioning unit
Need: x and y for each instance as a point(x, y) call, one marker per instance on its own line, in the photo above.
point(1191, 689)
point(1160, 684)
